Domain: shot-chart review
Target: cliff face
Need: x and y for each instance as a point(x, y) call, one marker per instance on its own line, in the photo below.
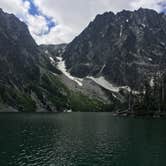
point(29, 79)
point(112, 55)
point(26, 80)
point(19, 54)
point(124, 48)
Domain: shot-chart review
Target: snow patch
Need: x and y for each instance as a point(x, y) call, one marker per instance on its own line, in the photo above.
point(52, 60)
point(102, 34)
point(150, 59)
point(104, 83)
point(46, 52)
point(68, 111)
point(162, 43)
point(114, 96)
point(62, 67)
point(143, 25)
point(107, 85)
point(152, 82)
point(121, 30)
point(102, 68)
point(127, 20)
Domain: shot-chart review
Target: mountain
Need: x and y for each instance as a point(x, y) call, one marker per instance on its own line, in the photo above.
point(18, 51)
point(19, 59)
point(118, 59)
point(29, 79)
point(124, 48)
point(116, 64)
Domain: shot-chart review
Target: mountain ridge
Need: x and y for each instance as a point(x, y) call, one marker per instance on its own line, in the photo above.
point(117, 63)
point(117, 44)
point(29, 79)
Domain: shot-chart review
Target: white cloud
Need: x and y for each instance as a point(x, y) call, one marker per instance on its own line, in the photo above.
point(152, 4)
point(71, 16)
point(57, 35)
point(76, 14)
point(14, 6)
point(37, 24)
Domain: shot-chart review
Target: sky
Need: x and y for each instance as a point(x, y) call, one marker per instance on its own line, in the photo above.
point(60, 21)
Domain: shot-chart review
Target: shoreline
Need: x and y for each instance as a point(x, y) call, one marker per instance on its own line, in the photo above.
point(140, 114)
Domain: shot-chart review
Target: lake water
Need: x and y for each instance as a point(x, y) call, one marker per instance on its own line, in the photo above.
point(81, 139)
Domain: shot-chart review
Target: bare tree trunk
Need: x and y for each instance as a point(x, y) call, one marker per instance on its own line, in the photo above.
point(129, 106)
point(163, 95)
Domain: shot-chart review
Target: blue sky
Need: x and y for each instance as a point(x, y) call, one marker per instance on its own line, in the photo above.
point(164, 7)
point(60, 21)
point(34, 10)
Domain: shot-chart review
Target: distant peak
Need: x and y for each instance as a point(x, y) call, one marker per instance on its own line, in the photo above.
point(145, 10)
point(141, 8)
point(1, 11)
point(106, 14)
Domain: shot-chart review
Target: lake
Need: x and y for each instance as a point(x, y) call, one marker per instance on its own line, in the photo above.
point(81, 139)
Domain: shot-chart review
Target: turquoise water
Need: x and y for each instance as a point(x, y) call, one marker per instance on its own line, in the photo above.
point(81, 139)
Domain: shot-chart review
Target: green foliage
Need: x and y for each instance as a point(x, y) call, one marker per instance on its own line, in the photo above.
point(56, 92)
point(52, 93)
point(25, 103)
point(82, 103)
point(50, 67)
point(17, 99)
point(151, 99)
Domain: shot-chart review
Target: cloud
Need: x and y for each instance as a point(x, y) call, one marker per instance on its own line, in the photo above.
point(59, 21)
point(14, 6)
point(152, 4)
point(74, 15)
point(38, 23)
point(57, 35)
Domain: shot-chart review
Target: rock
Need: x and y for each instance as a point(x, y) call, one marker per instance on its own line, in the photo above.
point(130, 46)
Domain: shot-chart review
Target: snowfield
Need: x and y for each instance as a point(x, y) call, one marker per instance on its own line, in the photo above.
point(104, 83)
point(62, 67)
point(52, 60)
point(152, 82)
point(107, 85)
point(101, 81)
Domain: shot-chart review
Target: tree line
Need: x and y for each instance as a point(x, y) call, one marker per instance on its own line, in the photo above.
point(151, 96)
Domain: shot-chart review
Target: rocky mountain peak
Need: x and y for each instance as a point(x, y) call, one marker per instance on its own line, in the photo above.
point(15, 30)
point(18, 51)
point(27, 82)
point(121, 47)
